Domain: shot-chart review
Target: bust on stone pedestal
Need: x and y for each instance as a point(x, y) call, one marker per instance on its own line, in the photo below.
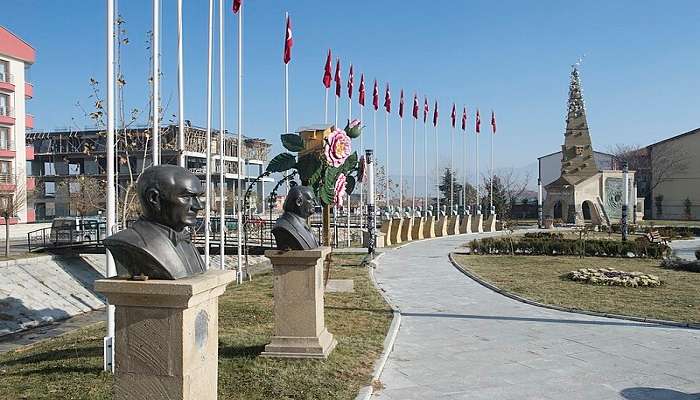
point(158, 244)
point(291, 231)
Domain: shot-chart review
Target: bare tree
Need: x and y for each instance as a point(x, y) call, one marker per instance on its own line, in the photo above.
point(508, 186)
point(87, 194)
point(653, 165)
point(9, 209)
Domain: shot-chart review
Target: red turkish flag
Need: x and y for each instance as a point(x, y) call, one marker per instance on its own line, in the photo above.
point(401, 105)
point(288, 42)
point(362, 90)
point(351, 79)
point(327, 71)
point(453, 115)
point(464, 119)
point(435, 114)
point(426, 110)
point(415, 106)
point(236, 6)
point(478, 121)
point(337, 77)
point(375, 96)
point(493, 122)
point(387, 99)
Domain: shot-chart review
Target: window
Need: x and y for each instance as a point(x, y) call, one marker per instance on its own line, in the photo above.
point(5, 142)
point(5, 105)
point(50, 189)
point(4, 71)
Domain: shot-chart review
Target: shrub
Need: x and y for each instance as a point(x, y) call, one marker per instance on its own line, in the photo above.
point(681, 265)
point(569, 247)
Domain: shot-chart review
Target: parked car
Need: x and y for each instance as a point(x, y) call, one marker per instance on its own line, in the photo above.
point(67, 230)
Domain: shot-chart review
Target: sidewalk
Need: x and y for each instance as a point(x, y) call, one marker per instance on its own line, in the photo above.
point(460, 340)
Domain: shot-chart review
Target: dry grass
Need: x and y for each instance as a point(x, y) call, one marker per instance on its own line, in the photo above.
point(542, 278)
point(70, 367)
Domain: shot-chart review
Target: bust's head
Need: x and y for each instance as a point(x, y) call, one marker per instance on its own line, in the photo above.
point(300, 201)
point(170, 195)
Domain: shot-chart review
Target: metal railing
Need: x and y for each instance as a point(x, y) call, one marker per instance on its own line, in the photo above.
point(87, 233)
point(7, 178)
point(7, 78)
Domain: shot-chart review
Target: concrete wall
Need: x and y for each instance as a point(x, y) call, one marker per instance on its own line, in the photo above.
point(681, 185)
point(41, 290)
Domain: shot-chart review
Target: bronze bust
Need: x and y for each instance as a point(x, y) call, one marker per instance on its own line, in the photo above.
point(291, 231)
point(157, 245)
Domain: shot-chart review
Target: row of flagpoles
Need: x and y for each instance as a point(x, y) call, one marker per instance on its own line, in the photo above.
point(329, 76)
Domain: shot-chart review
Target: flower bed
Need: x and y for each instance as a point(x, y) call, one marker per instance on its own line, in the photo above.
point(554, 245)
point(612, 277)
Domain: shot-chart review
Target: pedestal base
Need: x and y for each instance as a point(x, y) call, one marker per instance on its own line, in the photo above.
point(478, 223)
point(466, 225)
point(417, 231)
point(167, 336)
point(490, 223)
point(452, 225)
point(386, 230)
point(301, 347)
point(407, 229)
point(380, 239)
point(396, 227)
point(441, 227)
point(300, 330)
point(429, 227)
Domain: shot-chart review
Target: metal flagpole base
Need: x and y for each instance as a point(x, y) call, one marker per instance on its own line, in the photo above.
point(108, 353)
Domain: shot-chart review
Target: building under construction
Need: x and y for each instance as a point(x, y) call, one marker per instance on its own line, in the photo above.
point(70, 167)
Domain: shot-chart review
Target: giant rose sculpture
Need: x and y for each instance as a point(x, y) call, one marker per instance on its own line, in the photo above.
point(331, 170)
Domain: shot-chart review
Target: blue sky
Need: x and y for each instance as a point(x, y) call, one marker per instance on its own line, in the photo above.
point(640, 73)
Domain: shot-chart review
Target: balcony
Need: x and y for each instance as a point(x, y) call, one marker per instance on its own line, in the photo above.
point(7, 82)
point(28, 90)
point(7, 148)
point(31, 183)
point(7, 183)
point(28, 121)
point(7, 115)
point(29, 152)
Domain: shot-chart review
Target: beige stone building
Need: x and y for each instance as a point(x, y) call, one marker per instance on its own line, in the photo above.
point(673, 182)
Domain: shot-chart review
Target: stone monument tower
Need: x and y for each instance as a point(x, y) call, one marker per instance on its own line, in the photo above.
point(583, 193)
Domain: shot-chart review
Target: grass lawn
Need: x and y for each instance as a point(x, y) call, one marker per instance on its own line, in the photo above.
point(541, 278)
point(70, 367)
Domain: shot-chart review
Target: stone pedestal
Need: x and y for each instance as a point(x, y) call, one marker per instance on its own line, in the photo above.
point(453, 225)
point(490, 225)
point(300, 329)
point(407, 229)
point(466, 225)
point(395, 232)
point(379, 239)
point(441, 226)
point(429, 227)
point(478, 223)
point(385, 229)
point(167, 336)
point(417, 231)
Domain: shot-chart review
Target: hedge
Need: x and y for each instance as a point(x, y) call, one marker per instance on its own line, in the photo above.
point(552, 246)
point(681, 265)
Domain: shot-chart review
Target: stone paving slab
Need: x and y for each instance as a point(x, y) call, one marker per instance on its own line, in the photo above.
point(460, 340)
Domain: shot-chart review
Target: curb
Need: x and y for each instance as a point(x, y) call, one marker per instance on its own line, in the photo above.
point(513, 296)
point(366, 392)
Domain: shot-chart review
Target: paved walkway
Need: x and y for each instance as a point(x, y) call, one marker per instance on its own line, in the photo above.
point(460, 340)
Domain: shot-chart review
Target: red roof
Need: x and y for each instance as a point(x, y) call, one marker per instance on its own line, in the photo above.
point(11, 45)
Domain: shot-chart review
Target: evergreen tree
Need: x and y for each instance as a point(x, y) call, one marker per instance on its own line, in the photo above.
point(448, 177)
point(502, 201)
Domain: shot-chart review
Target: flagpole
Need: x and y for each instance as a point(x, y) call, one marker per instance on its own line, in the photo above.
point(239, 156)
point(400, 164)
point(491, 179)
point(222, 129)
point(207, 209)
point(413, 168)
point(362, 184)
point(476, 176)
point(286, 96)
point(348, 194)
point(180, 89)
point(108, 341)
point(425, 164)
point(437, 169)
point(465, 144)
point(155, 102)
point(386, 161)
point(452, 167)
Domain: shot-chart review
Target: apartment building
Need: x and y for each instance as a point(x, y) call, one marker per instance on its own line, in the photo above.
point(16, 58)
